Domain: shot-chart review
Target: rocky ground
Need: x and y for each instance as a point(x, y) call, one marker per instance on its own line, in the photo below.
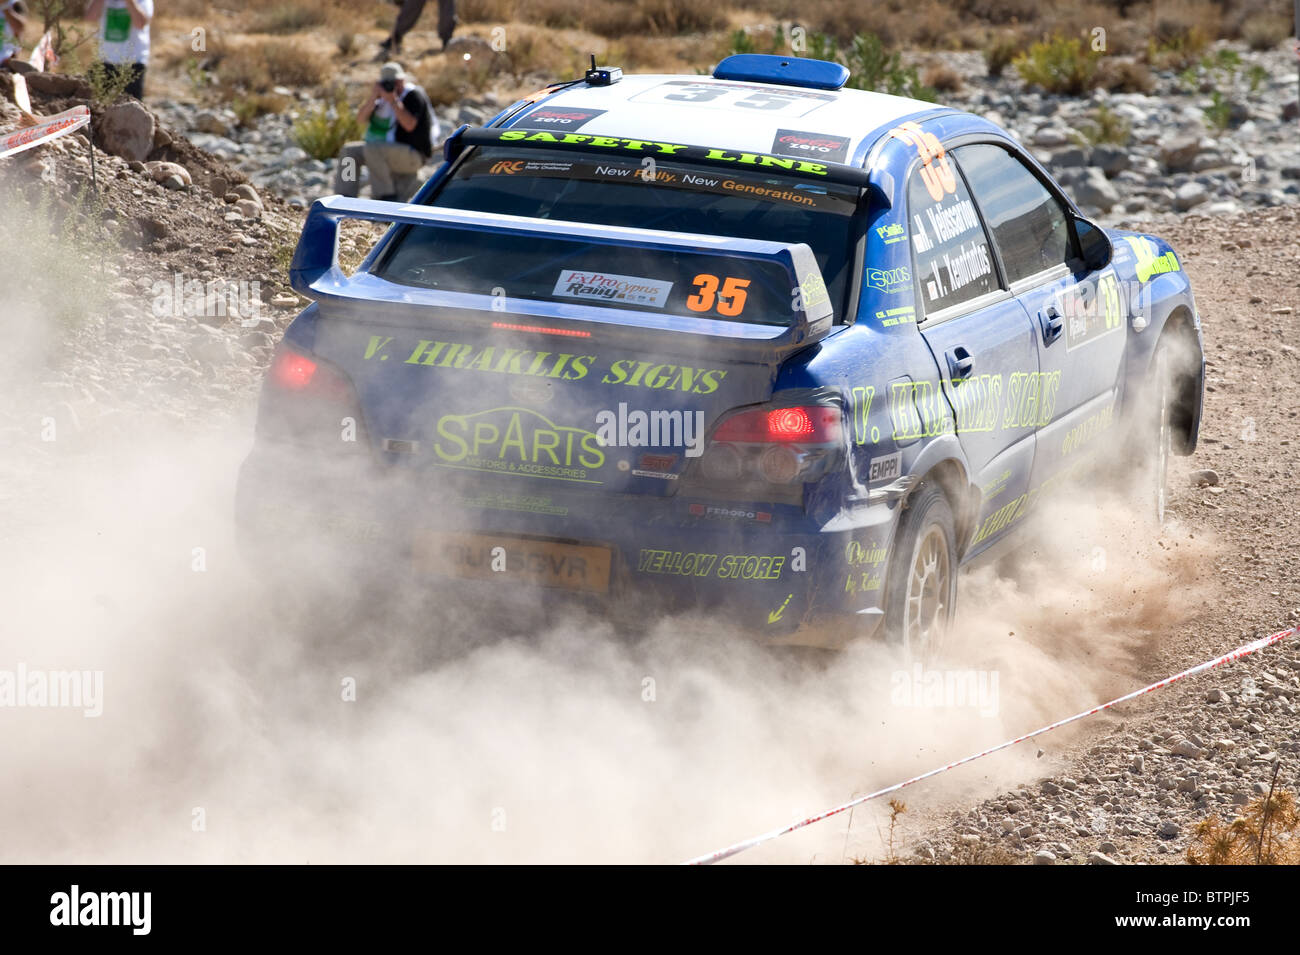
point(1171, 154)
point(1133, 786)
point(1129, 787)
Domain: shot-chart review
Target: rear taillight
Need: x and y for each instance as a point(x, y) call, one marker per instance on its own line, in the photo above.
point(296, 373)
point(810, 423)
point(773, 446)
point(309, 400)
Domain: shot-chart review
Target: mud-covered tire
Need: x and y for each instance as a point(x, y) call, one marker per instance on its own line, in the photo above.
point(921, 585)
point(1150, 440)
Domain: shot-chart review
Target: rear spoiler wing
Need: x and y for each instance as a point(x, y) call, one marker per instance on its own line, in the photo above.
point(315, 273)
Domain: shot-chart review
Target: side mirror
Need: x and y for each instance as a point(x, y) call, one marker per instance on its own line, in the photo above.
point(1094, 244)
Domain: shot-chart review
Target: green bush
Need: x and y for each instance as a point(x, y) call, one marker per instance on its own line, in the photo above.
point(65, 272)
point(321, 132)
point(871, 66)
point(1059, 64)
point(1219, 112)
point(999, 52)
point(1104, 125)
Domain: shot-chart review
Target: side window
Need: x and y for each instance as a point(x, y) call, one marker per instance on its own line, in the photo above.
point(1028, 222)
point(953, 264)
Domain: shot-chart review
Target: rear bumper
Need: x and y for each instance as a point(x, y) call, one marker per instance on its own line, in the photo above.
point(772, 572)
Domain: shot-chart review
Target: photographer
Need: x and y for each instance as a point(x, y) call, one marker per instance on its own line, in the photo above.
point(400, 129)
point(13, 20)
point(123, 38)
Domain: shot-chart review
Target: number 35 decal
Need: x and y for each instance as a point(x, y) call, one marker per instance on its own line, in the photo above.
point(730, 301)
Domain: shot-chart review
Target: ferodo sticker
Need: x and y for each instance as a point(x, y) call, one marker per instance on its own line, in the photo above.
point(793, 142)
point(557, 117)
point(609, 287)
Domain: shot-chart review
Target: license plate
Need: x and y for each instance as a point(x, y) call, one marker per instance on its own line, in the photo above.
point(538, 562)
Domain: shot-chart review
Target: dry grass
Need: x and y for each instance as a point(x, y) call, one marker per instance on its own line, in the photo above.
point(252, 44)
point(453, 80)
point(258, 64)
point(1266, 833)
point(287, 17)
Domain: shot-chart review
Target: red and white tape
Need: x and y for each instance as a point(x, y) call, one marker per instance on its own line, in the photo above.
point(52, 128)
point(739, 847)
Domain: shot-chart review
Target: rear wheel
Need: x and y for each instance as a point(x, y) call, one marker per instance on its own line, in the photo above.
point(1151, 440)
point(921, 590)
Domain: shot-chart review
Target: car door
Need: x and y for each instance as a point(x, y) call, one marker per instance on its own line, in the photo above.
point(1075, 311)
point(981, 338)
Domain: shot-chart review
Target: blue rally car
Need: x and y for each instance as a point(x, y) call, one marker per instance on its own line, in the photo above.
point(750, 343)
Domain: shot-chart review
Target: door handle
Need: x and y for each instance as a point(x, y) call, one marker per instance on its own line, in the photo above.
point(960, 363)
point(1049, 319)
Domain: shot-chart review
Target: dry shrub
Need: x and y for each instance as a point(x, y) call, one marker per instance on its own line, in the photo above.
point(249, 108)
point(289, 16)
point(559, 14)
point(1000, 50)
point(272, 62)
point(188, 8)
point(1241, 14)
point(1266, 31)
point(1125, 76)
point(291, 63)
point(532, 51)
point(619, 18)
point(1180, 32)
point(243, 68)
point(486, 11)
point(941, 77)
point(1266, 833)
point(453, 80)
point(1002, 11)
point(845, 19)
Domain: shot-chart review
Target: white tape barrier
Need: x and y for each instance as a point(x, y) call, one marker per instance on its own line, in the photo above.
point(1236, 654)
point(44, 132)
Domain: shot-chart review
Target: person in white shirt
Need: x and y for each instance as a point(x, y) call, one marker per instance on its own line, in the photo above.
point(13, 19)
point(123, 38)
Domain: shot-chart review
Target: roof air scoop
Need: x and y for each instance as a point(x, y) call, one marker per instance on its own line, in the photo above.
point(787, 70)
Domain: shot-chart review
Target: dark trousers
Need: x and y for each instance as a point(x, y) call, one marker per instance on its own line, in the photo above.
point(136, 86)
point(410, 14)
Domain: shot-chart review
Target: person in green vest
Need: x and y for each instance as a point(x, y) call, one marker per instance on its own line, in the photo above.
point(123, 38)
point(400, 129)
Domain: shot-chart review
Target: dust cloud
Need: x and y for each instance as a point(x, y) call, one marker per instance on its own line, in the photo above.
point(226, 735)
point(336, 720)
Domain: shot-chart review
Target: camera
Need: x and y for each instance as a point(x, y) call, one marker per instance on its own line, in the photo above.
point(388, 85)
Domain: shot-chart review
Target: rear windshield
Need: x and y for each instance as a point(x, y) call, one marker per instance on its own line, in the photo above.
point(620, 191)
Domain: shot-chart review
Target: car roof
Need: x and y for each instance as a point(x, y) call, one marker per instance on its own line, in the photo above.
point(636, 107)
